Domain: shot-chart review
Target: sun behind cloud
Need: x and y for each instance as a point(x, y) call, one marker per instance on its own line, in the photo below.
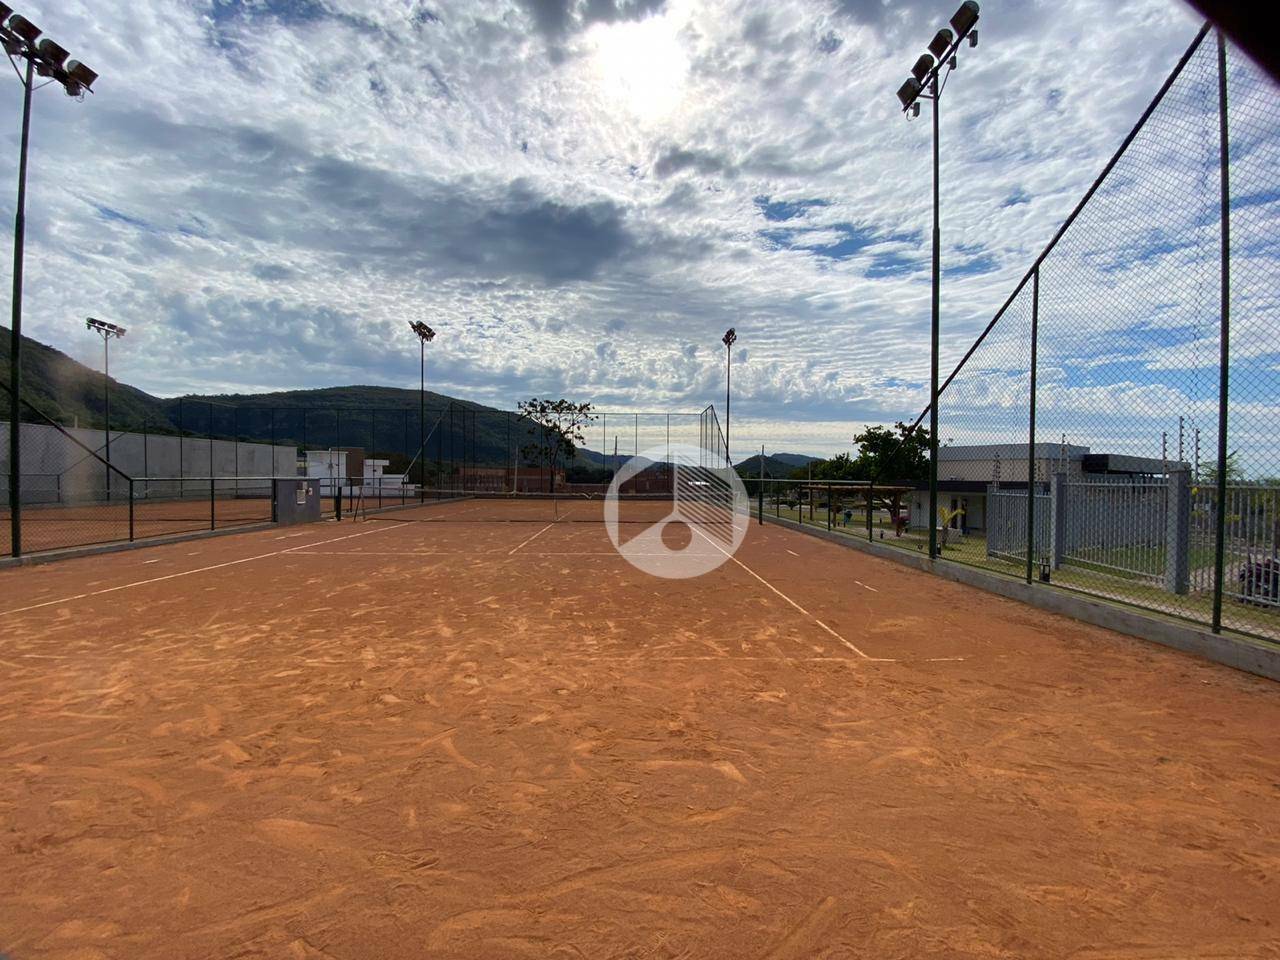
point(641, 66)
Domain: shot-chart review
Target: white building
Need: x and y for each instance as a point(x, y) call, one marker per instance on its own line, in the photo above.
point(355, 474)
point(966, 472)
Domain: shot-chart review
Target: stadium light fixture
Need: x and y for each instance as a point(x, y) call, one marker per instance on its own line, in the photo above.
point(729, 339)
point(106, 331)
point(926, 75)
point(941, 43)
point(425, 335)
point(21, 41)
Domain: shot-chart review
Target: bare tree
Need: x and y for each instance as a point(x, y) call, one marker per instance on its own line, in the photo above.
point(557, 426)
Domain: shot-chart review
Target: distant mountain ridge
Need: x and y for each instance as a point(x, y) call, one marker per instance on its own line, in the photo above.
point(381, 419)
point(796, 459)
point(776, 466)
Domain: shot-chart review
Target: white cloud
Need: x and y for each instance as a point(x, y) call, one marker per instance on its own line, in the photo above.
point(264, 192)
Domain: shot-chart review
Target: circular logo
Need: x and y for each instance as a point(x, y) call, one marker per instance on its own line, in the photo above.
point(672, 513)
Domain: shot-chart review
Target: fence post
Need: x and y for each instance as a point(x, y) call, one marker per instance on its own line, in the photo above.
point(761, 494)
point(1031, 421)
point(1057, 519)
point(213, 512)
point(131, 509)
point(1177, 538)
point(871, 489)
point(182, 446)
point(1224, 355)
point(828, 505)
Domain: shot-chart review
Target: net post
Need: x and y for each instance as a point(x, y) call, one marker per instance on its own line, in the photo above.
point(337, 502)
point(828, 505)
point(1224, 162)
point(213, 512)
point(131, 509)
point(275, 497)
point(1031, 427)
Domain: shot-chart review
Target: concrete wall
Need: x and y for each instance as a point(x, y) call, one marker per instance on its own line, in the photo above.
point(56, 469)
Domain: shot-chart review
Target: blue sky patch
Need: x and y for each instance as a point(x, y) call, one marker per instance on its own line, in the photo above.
point(778, 211)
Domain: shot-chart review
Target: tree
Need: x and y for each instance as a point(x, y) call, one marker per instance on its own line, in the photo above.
point(892, 456)
point(557, 425)
point(840, 467)
point(1235, 475)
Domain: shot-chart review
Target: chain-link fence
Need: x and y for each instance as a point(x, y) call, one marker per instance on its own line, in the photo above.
point(1116, 428)
point(207, 465)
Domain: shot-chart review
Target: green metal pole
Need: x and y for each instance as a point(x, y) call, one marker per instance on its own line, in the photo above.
point(15, 330)
point(1031, 434)
point(933, 340)
point(761, 494)
point(1224, 338)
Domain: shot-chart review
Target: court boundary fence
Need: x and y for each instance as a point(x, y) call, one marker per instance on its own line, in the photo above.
point(1215, 118)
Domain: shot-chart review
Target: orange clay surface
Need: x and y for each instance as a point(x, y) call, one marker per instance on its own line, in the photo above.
point(56, 527)
point(448, 740)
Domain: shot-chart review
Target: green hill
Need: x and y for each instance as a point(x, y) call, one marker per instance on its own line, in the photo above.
point(383, 420)
point(774, 467)
point(69, 392)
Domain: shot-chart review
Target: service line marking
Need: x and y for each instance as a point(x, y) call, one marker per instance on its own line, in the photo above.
point(187, 573)
point(793, 553)
point(851, 646)
point(865, 587)
point(533, 538)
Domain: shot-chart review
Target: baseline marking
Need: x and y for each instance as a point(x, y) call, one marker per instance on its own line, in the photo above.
point(186, 573)
point(793, 603)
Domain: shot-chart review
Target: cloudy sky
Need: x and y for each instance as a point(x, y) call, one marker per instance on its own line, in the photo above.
point(579, 195)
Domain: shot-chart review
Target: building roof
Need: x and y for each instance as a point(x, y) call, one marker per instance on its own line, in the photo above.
point(1009, 451)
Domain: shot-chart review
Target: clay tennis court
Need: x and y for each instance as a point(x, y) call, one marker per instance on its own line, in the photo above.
point(58, 526)
point(466, 739)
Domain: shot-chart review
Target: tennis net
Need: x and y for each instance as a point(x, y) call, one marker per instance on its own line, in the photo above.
point(448, 506)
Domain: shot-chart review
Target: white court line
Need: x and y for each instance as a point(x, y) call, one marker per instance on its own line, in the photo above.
point(793, 603)
point(782, 659)
point(531, 539)
point(865, 587)
point(305, 552)
point(185, 573)
point(793, 553)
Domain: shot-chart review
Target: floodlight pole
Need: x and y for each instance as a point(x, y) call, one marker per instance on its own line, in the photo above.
point(424, 333)
point(15, 328)
point(106, 402)
point(927, 74)
point(933, 336)
point(729, 339)
point(19, 38)
point(422, 419)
